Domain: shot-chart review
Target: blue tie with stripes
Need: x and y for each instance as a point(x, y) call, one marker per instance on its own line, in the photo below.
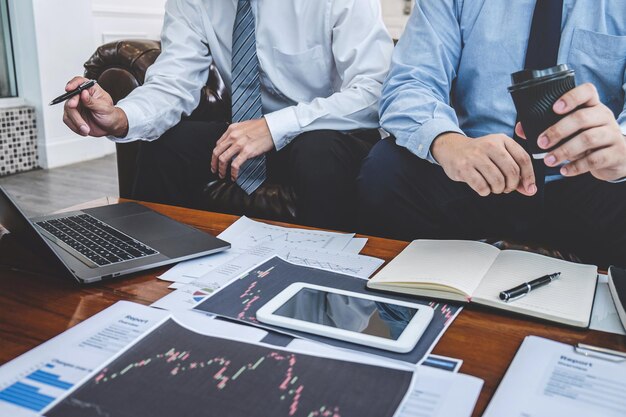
point(246, 87)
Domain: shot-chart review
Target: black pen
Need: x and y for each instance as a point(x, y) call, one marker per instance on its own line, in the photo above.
point(525, 288)
point(84, 86)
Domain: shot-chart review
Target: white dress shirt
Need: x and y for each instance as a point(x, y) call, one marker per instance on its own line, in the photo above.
point(322, 65)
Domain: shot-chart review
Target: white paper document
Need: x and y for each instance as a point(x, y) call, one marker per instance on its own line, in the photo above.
point(441, 394)
point(604, 315)
point(246, 236)
point(246, 233)
point(189, 270)
point(356, 245)
point(549, 379)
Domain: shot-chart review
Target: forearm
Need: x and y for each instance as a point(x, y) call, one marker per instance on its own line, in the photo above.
point(156, 106)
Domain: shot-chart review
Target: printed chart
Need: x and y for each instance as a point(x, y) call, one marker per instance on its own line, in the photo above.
point(246, 233)
point(175, 371)
point(43, 385)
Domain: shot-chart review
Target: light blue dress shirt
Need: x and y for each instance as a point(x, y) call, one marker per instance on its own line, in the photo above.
point(451, 68)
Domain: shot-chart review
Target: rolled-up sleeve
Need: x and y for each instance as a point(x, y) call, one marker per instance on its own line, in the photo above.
point(362, 49)
point(415, 105)
point(173, 83)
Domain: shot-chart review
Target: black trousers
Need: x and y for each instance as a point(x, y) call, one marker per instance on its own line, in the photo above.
point(322, 166)
point(404, 197)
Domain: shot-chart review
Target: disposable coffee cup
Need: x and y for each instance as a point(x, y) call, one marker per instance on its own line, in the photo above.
point(534, 93)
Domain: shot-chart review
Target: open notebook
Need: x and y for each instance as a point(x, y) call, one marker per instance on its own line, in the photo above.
point(477, 272)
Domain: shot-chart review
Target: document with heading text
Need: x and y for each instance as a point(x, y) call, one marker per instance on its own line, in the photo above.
point(550, 379)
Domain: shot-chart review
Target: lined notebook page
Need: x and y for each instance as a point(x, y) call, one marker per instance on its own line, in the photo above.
point(568, 299)
point(458, 264)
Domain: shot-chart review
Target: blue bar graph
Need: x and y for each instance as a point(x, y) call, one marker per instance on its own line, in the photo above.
point(25, 396)
point(49, 379)
point(28, 396)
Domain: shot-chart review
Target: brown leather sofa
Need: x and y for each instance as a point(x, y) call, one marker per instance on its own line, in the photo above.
point(120, 67)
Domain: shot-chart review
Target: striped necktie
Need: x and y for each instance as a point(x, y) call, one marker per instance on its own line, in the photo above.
point(246, 87)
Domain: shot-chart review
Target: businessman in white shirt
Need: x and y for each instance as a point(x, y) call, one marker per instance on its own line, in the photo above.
point(305, 76)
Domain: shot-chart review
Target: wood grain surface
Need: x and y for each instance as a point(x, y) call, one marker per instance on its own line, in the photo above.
point(37, 307)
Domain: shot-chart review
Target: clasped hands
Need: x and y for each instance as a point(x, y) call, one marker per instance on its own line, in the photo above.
point(241, 142)
point(496, 164)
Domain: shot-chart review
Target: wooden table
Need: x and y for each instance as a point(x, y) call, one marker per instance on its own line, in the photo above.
point(35, 308)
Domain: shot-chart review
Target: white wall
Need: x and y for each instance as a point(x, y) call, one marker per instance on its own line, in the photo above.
point(127, 19)
point(63, 44)
point(395, 16)
point(27, 64)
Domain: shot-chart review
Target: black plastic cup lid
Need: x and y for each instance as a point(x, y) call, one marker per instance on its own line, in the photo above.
point(524, 76)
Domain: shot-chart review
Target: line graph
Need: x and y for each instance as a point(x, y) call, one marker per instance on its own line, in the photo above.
point(255, 233)
point(322, 264)
point(293, 238)
point(174, 371)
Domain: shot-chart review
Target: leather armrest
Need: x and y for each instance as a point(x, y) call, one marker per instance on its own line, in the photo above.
point(120, 67)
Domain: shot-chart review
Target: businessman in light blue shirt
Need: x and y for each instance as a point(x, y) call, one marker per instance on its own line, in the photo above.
point(452, 168)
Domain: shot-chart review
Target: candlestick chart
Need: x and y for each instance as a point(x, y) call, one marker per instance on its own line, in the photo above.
point(176, 372)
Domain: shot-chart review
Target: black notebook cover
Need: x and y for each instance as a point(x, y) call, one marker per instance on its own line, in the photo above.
point(617, 286)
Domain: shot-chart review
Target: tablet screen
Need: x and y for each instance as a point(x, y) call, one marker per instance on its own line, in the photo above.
point(348, 313)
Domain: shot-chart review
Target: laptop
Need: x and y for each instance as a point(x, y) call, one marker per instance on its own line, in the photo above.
point(106, 242)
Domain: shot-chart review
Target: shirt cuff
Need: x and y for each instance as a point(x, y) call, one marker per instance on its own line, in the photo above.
point(136, 129)
point(422, 139)
point(283, 125)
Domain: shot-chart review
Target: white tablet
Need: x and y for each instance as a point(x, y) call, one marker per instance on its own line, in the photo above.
point(365, 319)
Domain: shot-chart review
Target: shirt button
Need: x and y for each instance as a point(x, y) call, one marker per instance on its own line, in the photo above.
point(419, 148)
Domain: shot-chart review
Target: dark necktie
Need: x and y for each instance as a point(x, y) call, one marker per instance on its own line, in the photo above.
point(545, 35)
point(246, 87)
point(543, 52)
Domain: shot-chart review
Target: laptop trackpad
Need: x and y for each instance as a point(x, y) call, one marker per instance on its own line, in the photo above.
point(149, 227)
point(140, 222)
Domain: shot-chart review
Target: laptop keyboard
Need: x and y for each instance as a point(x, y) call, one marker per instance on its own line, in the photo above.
point(97, 241)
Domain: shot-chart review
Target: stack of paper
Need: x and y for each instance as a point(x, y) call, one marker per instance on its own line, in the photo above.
point(254, 242)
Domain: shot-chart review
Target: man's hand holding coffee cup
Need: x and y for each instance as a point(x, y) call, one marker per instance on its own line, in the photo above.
point(92, 113)
point(597, 145)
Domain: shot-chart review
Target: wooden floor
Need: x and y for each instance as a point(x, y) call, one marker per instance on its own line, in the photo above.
point(45, 191)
